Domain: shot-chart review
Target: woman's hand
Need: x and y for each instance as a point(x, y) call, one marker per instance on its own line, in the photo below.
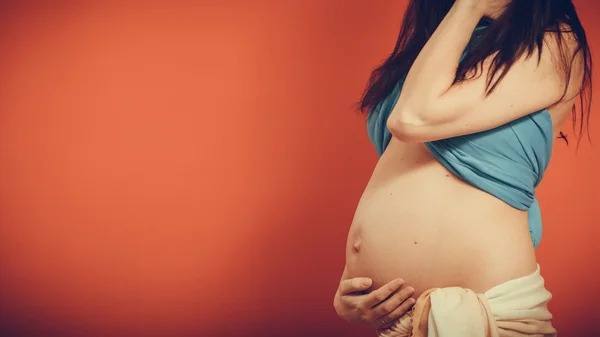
point(379, 308)
point(489, 8)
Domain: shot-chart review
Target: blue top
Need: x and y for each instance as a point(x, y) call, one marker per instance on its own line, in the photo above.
point(508, 161)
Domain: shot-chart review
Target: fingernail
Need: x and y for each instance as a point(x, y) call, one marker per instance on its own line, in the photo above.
point(412, 301)
point(366, 283)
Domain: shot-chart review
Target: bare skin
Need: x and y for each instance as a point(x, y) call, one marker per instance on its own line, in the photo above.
point(356, 301)
point(418, 221)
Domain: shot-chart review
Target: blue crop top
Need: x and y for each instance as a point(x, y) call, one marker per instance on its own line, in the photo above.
point(508, 161)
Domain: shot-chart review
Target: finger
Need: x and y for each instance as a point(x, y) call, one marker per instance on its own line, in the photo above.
point(389, 305)
point(355, 284)
point(383, 292)
point(390, 319)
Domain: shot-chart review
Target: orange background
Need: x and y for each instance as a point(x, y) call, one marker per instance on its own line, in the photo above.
point(192, 170)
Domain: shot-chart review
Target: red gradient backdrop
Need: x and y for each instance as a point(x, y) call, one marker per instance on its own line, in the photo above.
point(192, 170)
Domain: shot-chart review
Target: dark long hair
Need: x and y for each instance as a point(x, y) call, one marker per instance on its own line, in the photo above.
point(518, 30)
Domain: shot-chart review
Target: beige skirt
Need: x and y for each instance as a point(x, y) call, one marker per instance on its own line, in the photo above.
point(516, 308)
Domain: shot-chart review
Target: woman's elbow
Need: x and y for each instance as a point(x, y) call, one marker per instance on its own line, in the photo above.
point(406, 127)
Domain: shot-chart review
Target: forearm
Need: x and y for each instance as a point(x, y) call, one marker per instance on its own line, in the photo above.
point(434, 70)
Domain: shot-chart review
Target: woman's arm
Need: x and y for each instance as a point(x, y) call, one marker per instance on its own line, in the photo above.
point(430, 107)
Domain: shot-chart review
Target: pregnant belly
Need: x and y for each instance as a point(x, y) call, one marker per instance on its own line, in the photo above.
point(431, 229)
point(407, 247)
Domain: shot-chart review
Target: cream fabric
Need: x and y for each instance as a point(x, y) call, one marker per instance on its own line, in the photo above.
point(516, 308)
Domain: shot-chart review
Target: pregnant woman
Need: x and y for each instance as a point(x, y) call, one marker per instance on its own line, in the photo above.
point(463, 114)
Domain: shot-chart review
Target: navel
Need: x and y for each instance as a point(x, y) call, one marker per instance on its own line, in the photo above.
point(356, 246)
